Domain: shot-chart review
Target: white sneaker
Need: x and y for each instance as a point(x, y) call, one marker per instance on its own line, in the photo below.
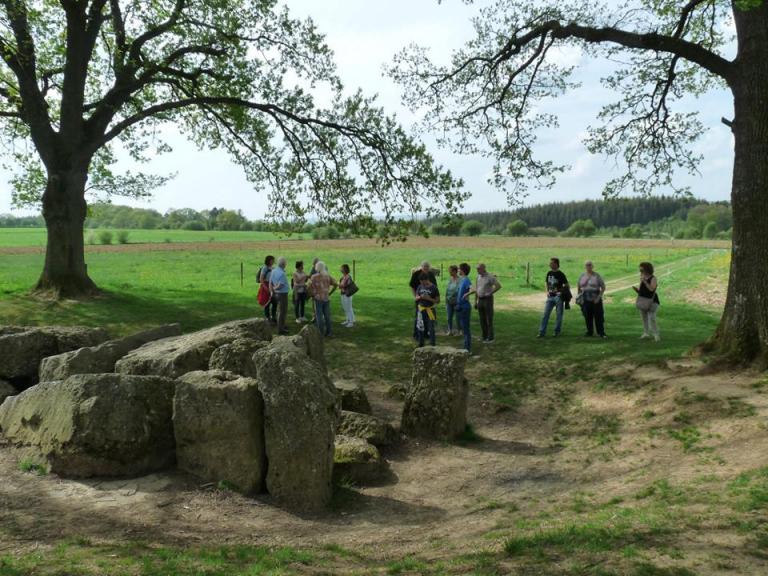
point(657, 338)
point(350, 325)
point(644, 336)
point(298, 320)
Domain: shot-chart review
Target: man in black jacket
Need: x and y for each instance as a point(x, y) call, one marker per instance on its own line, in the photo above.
point(557, 287)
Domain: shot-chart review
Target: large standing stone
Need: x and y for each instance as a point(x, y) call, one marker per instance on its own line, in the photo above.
point(23, 347)
point(173, 357)
point(237, 356)
point(6, 390)
point(95, 424)
point(436, 401)
point(369, 428)
point(300, 416)
point(102, 358)
point(218, 421)
point(352, 397)
point(356, 461)
point(308, 341)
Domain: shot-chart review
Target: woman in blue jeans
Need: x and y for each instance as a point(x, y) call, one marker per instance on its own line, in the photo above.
point(463, 306)
point(450, 298)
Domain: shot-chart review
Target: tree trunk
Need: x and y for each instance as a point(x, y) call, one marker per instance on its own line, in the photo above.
point(64, 210)
point(742, 336)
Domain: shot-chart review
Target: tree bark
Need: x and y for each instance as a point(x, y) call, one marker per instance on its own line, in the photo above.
point(742, 336)
point(64, 210)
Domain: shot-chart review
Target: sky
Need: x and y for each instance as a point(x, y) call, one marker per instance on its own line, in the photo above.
point(365, 35)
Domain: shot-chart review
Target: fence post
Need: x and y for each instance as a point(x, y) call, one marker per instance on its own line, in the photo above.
point(241, 274)
point(354, 270)
point(627, 265)
point(527, 273)
point(441, 270)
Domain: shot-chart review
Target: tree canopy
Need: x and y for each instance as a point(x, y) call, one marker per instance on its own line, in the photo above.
point(80, 80)
point(490, 98)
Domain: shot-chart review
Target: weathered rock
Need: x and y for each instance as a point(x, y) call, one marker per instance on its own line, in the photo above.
point(23, 347)
point(102, 358)
point(218, 421)
point(436, 400)
point(6, 390)
point(366, 427)
point(356, 461)
point(237, 356)
point(312, 342)
point(308, 342)
point(300, 417)
point(95, 424)
point(173, 357)
point(352, 397)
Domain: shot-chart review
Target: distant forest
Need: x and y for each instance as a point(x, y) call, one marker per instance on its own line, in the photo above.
point(661, 216)
point(603, 213)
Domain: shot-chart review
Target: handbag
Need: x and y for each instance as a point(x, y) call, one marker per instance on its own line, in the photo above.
point(263, 296)
point(580, 299)
point(351, 288)
point(644, 304)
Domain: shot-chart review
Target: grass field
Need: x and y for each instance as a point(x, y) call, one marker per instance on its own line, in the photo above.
point(655, 474)
point(37, 236)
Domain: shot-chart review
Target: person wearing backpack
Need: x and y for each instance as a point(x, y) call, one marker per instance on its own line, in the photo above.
point(347, 287)
point(648, 301)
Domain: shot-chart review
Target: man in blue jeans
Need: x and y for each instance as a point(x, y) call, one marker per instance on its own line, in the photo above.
point(556, 283)
point(463, 305)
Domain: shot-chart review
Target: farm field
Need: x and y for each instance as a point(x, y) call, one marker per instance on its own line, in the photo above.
point(585, 457)
point(37, 236)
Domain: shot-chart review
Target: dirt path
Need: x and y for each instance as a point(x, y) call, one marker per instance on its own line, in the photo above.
point(536, 300)
point(441, 496)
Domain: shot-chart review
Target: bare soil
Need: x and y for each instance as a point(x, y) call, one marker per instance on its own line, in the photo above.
point(537, 458)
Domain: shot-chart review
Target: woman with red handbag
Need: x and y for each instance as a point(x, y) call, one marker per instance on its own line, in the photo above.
point(264, 295)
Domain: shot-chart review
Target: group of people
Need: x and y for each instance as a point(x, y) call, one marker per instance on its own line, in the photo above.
point(315, 287)
point(590, 291)
point(459, 289)
point(461, 296)
point(458, 292)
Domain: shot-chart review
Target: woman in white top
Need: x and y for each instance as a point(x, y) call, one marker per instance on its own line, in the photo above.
point(591, 290)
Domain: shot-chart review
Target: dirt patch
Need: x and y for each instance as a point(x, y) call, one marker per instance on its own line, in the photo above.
point(607, 438)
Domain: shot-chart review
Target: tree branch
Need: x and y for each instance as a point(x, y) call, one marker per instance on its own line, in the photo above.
point(690, 51)
point(270, 109)
point(134, 52)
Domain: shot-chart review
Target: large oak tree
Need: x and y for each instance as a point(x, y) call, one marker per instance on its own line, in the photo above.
point(80, 78)
point(489, 100)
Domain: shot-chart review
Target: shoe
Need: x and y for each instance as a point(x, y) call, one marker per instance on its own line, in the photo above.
point(283, 332)
point(588, 335)
point(602, 336)
point(349, 325)
point(540, 335)
point(490, 340)
point(657, 338)
point(447, 333)
point(645, 336)
point(298, 320)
